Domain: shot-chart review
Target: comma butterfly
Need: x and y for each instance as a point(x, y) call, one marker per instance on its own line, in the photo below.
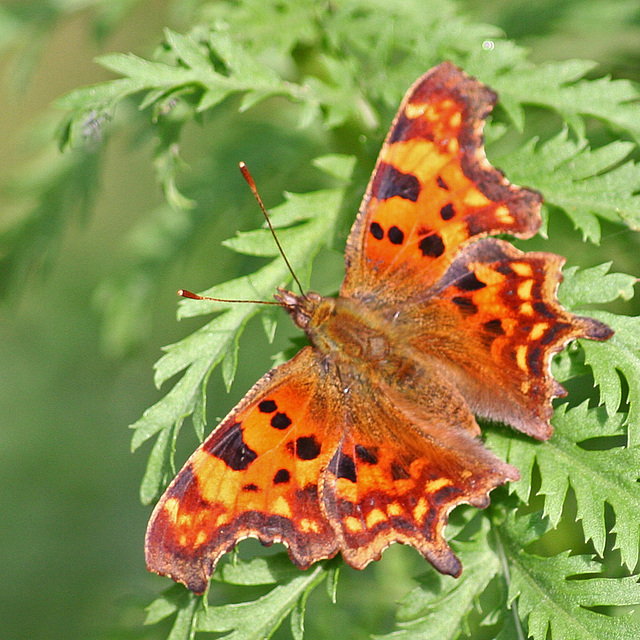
point(368, 436)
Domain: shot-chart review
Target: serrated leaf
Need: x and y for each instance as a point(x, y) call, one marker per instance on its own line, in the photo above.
point(177, 403)
point(621, 353)
point(552, 603)
point(558, 86)
point(145, 73)
point(597, 477)
point(437, 609)
point(594, 286)
point(259, 619)
point(187, 50)
point(557, 169)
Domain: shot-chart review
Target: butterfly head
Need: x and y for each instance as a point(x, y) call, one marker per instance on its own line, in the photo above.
point(307, 311)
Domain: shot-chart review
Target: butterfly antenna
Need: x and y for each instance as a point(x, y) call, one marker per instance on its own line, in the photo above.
point(252, 185)
point(194, 296)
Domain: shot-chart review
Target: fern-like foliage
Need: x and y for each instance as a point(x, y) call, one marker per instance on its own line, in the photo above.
point(556, 554)
point(312, 215)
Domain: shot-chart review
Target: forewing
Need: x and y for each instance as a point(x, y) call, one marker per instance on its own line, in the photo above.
point(432, 190)
point(256, 476)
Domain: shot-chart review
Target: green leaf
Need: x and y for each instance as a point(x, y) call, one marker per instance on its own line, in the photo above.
point(160, 467)
point(597, 477)
point(550, 601)
point(186, 604)
point(336, 165)
point(583, 183)
point(557, 85)
point(437, 609)
point(594, 286)
point(618, 355)
point(259, 571)
point(184, 626)
point(259, 619)
point(214, 342)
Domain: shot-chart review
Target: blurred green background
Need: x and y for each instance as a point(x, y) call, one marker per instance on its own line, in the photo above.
point(71, 533)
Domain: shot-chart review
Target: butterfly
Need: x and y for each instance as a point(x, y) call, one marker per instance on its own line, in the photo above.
point(368, 436)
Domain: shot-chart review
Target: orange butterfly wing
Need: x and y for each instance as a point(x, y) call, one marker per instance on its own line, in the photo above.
point(486, 312)
point(256, 475)
point(493, 323)
point(432, 190)
point(295, 463)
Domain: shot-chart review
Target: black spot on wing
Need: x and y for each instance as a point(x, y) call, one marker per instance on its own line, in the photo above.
point(504, 268)
point(494, 327)
point(343, 466)
point(469, 282)
point(390, 182)
point(267, 406)
point(442, 184)
point(368, 456)
point(307, 448)
point(447, 212)
point(465, 304)
point(431, 246)
point(395, 235)
point(251, 488)
point(280, 421)
point(282, 477)
point(376, 231)
point(232, 449)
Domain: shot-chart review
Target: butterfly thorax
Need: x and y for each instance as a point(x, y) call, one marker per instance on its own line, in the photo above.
point(347, 331)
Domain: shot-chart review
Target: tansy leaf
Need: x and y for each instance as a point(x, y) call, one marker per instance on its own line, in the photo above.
point(553, 601)
point(594, 286)
point(210, 345)
point(619, 355)
point(582, 182)
point(259, 619)
point(557, 85)
point(437, 608)
point(607, 475)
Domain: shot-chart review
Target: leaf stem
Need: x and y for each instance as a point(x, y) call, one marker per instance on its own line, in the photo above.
point(507, 576)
